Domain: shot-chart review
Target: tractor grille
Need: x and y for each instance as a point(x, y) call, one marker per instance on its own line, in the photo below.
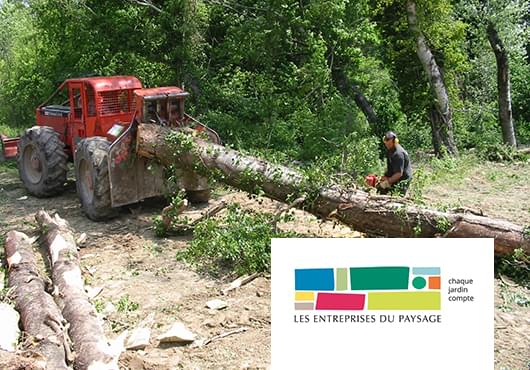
point(116, 102)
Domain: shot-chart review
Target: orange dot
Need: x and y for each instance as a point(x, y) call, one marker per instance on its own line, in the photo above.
point(434, 282)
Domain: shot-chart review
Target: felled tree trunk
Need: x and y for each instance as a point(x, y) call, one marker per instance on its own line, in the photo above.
point(376, 215)
point(41, 318)
point(441, 120)
point(503, 85)
point(15, 361)
point(89, 342)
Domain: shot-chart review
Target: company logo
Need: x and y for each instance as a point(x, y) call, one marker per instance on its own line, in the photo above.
point(375, 288)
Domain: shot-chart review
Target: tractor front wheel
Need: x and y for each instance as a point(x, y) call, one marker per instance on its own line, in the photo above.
point(92, 178)
point(42, 162)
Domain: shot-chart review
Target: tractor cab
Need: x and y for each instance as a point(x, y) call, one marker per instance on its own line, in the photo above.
point(87, 107)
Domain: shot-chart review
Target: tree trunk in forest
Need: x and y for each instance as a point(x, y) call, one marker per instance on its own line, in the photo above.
point(372, 214)
point(365, 106)
point(40, 316)
point(503, 86)
point(90, 345)
point(441, 121)
point(343, 84)
point(436, 127)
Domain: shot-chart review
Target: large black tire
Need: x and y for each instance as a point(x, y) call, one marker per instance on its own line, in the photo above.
point(42, 162)
point(92, 178)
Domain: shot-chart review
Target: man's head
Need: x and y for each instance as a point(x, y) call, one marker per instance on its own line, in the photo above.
point(390, 139)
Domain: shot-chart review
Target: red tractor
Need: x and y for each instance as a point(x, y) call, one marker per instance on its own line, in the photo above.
point(92, 122)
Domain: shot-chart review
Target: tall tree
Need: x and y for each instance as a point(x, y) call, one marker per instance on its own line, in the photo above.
point(503, 85)
point(440, 114)
point(499, 26)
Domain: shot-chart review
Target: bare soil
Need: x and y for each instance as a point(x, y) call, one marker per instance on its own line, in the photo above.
point(139, 275)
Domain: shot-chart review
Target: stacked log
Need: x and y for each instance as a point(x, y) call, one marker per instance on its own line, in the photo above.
point(92, 350)
point(41, 319)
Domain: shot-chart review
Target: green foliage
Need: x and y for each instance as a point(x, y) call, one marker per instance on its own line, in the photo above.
point(180, 142)
point(500, 153)
point(159, 227)
point(99, 305)
point(416, 230)
point(153, 248)
point(447, 170)
point(239, 241)
point(171, 213)
point(273, 78)
point(8, 166)
point(516, 266)
point(125, 305)
point(443, 225)
point(421, 180)
point(526, 231)
point(479, 99)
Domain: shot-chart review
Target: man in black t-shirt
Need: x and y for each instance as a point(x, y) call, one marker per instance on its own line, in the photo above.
point(398, 170)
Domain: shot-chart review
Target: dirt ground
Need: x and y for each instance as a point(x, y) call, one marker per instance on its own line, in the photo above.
point(140, 275)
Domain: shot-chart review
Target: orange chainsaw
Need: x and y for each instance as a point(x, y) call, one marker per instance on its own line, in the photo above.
point(371, 180)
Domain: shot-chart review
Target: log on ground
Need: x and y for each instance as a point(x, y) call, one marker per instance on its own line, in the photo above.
point(40, 317)
point(92, 350)
point(22, 361)
point(372, 214)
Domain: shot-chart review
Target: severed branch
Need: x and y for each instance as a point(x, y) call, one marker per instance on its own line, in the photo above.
point(297, 202)
point(176, 228)
point(223, 335)
point(240, 281)
point(41, 318)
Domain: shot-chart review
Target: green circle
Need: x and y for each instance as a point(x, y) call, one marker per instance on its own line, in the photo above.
point(419, 282)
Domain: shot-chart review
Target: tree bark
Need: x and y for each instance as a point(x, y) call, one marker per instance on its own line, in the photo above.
point(362, 102)
point(503, 86)
point(372, 214)
point(15, 361)
point(41, 318)
point(90, 345)
point(441, 121)
point(365, 106)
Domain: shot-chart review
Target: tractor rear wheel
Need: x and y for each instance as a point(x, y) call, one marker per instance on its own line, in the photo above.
point(42, 162)
point(92, 178)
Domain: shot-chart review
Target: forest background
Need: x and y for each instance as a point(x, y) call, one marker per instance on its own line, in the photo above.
point(316, 82)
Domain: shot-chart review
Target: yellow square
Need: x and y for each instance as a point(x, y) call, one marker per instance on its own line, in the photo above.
point(304, 296)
